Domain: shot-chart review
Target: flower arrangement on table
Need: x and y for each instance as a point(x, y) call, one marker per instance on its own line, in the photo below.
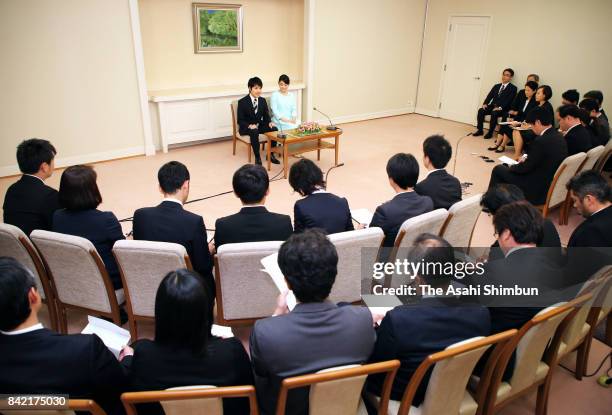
point(308, 128)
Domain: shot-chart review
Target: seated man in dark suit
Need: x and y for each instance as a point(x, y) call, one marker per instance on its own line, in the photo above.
point(576, 135)
point(412, 332)
point(34, 360)
point(598, 124)
point(317, 334)
point(443, 188)
point(534, 173)
point(29, 204)
point(503, 194)
point(570, 97)
point(253, 223)
point(497, 103)
point(254, 118)
point(598, 97)
point(591, 195)
point(169, 222)
point(403, 172)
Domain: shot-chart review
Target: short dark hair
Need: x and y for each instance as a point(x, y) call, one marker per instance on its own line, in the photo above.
point(532, 84)
point(522, 219)
point(309, 262)
point(500, 195)
point(571, 95)
point(509, 70)
point(15, 284)
point(547, 91)
point(250, 183)
point(438, 150)
point(589, 104)
point(430, 250)
point(596, 95)
point(585, 116)
point(539, 114)
point(305, 177)
point(284, 78)
point(254, 81)
point(569, 109)
point(183, 311)
point(171, 176)
point(590, 182)
point(534, 75)
point(78, 189)
point(34, 152)
point(403, 169)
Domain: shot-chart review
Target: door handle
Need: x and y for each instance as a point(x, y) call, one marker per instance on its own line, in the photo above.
point(477, 78)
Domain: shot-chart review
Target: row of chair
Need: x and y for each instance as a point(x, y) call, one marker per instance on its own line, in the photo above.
point(538, 346)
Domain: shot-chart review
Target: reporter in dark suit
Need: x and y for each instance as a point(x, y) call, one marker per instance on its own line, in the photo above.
point(598, 97)
point(570, 97)
point(576, 135)
point(183, 351)
point(497, 103)
point(29, 203)
point(534, 175)
point(412, 332)
point(443, 188)
point(169, 222)
point(80, 196)
point(503, 194)
point(598, 125)
point(591, 194)
point(35, 360)
point(254, 118)
point(317, 334)
point(403, 172)
point(319, 208)
point(253, 223)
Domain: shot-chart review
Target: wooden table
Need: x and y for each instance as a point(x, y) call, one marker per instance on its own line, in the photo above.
point(312, 142)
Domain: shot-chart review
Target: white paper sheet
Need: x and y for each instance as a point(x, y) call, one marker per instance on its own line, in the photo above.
point(362, 216)
point(270, 264)
point(508, 160)
point(222, 331)
point(113, 336)
point(379, 312)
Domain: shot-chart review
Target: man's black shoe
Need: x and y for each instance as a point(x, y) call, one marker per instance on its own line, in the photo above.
point(477, 133)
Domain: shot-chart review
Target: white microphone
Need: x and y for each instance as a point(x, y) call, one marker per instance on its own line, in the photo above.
point(331, 126)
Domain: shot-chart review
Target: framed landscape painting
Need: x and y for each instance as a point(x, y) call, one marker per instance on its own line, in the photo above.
point(217, 27)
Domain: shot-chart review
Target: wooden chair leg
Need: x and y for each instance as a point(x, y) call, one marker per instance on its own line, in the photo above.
point(133, 328)
point(580, 357)
point(542, 398)
point(234, 145)
point(587, 351)
point(249, 153)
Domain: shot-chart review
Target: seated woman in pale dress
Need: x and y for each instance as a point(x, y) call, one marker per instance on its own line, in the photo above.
point(284, 106)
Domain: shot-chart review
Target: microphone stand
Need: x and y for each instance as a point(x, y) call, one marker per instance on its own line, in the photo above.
point(282, 133)
point(457, 150)
point(330, 169)
point(331, 126)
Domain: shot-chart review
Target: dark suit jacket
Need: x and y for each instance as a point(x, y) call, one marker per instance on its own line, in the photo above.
point(443, 188)
point(247, 116)
point(518, 101)
point(101, 228)
point(169, 222)
point(503, 100)
point(312, 337)
point(45, 362)
point(252, 224)
point(578, 140)
point(29, 204)
point(158, 367)
point(550, 239)
point(390, 215)
point(595, 231)
point(599, 130)
point(410, 333)
point(324, 211)
point(535, 174)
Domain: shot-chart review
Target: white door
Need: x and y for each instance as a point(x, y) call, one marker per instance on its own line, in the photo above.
point(463, 61)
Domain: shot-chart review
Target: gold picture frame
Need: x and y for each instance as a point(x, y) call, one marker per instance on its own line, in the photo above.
point(217, 27)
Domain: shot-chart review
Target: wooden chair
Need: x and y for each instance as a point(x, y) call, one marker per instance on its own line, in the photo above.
point(15, 244)
point(143, 265)
point(239, 266)
point(190, 400)
point(557, 193)
point(461, 221)
point(237, 137)
point(603, 159)
point(338, 390)
point(78, 405)
point(78, 275)
point(534, 359)
point(356, 249)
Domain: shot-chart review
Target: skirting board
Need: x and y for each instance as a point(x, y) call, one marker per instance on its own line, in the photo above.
point(368, 116)
point(425, 111)
point(84, 159)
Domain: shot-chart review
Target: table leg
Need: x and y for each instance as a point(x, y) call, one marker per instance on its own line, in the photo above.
point(336, 147)
point(285, 159)
point(268, 145)
point(319, 150)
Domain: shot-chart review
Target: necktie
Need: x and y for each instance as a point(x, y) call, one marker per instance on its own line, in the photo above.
point(255, 105)
point(501, 89)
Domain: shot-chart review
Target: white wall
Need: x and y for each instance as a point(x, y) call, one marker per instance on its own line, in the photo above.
point(68, 75)
point(564, 41)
